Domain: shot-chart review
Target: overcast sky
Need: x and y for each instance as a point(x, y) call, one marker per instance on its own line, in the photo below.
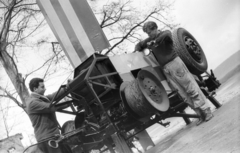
point(214, 23)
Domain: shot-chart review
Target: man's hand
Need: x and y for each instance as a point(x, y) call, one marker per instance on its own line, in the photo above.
point(62, 106)
point(151, 43)
point(68, 83)
point(138, 47)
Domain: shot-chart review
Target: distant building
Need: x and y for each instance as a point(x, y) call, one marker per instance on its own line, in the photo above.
point(12, 144)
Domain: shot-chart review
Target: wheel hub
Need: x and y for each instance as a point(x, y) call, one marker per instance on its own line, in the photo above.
point(153, 91)
point(193, 48)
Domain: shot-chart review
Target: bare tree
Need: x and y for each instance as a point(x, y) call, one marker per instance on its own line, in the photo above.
point(6, 116)
point(21, 19)
point(13, 23)
point(124, 21)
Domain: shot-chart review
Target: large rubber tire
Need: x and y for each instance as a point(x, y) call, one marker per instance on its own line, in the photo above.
point(189, 51)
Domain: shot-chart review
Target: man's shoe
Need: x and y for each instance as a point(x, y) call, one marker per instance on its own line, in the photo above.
point(208, 114)
point(200, 121)
point(209, 117)
point(201, 115)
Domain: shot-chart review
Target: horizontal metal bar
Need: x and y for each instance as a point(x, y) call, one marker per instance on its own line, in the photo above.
point(67, 112)
point(102, 94)
point(103, 75)
point(101, 58)
point(184, 115)
point(100, 84)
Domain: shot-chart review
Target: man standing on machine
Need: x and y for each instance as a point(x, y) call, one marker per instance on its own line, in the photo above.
point(174, 69)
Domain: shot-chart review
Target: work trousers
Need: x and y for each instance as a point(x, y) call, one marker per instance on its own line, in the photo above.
point(181, 79)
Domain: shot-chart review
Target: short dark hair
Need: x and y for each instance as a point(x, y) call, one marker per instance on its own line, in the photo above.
point(149, 25)
point(34, 83)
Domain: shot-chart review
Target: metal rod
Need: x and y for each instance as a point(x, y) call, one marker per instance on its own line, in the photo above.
point(76, 95)
point(109, 82)
point(103, 75)
point(102, 94)
point(73, 109)
point(100, 84)
point(101, 58)
point(67, 112)
point(53, 102)
point(90, 69)
point(185, 115)
point(99, 101)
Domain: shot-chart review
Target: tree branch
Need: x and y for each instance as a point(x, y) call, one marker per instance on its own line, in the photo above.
point(129, 32)
point(10, 96)
point(7, 21)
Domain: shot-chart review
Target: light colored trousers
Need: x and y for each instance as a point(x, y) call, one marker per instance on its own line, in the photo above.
point(181, 79)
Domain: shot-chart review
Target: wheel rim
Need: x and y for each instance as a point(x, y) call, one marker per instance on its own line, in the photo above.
point(193, 49)
point(153, 90)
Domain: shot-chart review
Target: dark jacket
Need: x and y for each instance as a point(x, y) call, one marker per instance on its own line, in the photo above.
point(42, 116)
point(161, 46)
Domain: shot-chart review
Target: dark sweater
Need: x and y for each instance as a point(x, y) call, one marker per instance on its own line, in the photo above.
point(161, 46)
point(42, 116)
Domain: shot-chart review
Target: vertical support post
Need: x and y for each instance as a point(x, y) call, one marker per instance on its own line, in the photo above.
point(121, 145)
point(145, 140)
point(75, 27)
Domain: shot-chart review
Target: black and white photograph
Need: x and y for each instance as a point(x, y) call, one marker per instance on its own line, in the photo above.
point(119, 76)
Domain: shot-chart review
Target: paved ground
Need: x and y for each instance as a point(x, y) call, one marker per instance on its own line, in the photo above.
point(219, 135)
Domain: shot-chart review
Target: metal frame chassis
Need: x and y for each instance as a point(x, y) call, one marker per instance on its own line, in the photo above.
point(84, 78)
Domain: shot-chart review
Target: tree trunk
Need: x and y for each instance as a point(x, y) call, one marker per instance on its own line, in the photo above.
point(15, 77)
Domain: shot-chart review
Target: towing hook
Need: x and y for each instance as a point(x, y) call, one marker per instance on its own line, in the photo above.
point(53, 143)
